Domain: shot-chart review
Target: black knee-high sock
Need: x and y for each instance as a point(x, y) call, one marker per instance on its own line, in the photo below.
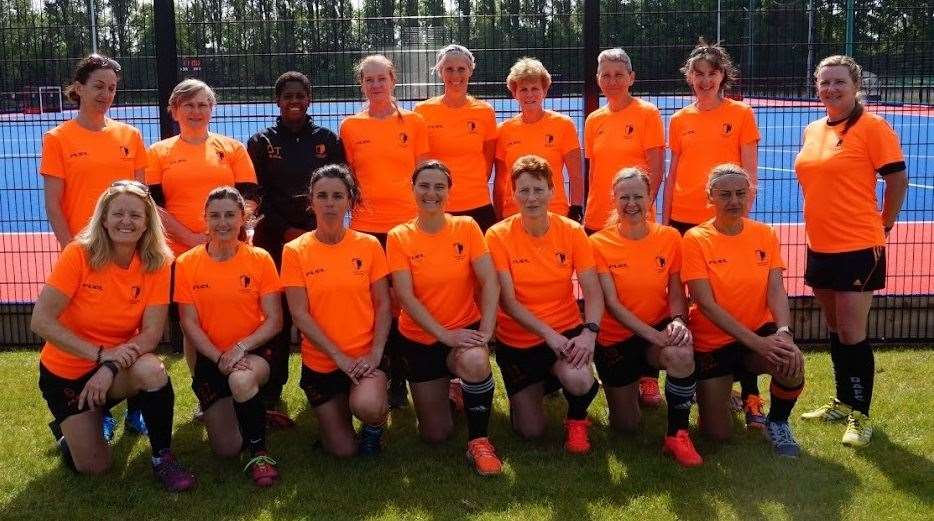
point(783, 400)
point(251, 415)
point(838, 377)
point(158, 408)
point(679, 393)
point(132, 403)
point(860, 374)
point(478, 403)
point(396, 367)
point(577, 405)
point(748, 383)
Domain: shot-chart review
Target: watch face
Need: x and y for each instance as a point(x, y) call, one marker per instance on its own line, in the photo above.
point(593, 327)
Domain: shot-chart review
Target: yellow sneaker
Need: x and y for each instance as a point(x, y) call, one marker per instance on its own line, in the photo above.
point(858, 430)
point(834, 410)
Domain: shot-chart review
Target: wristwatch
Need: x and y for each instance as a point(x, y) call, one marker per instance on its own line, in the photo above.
point(591, 326)
point(787, 330)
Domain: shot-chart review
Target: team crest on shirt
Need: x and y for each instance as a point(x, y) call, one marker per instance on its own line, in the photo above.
point(726, 129)
point(321, 151)
point(245, 282)
point(125, 151)
point(458, 250)
point(135, 292)
point(403, 138)
point(549, 140)
point(761, 257)
point(273, 152)
point(561, 257)
point(630, 130)
point(357, 264)
point(660, 263)
point(471, 126)
point(220, 155)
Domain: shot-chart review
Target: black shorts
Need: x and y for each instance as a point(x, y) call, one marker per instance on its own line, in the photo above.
point(860, 270)
point(61, 394)
point(422, 362)
point(320, 388)
point(522, 367)
point(485, 216)
point(682, 227)
point(623, 363)
point(726, 360)
point(210, 385)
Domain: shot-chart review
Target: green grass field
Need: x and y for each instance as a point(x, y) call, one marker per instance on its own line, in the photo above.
point(625, 477)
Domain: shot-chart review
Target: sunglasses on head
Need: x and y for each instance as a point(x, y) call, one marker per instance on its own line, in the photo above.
point(134, 184)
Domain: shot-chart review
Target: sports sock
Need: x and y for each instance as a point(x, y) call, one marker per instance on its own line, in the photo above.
point(251, 416)
point(679, 393)
point(478, 404)
point(783, 400)
point(577, 405)
point(158, 408)
point(835, 353)
point(748, 383)
point(860, 376)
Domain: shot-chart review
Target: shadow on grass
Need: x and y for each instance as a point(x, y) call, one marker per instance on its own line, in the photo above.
point(908, 472)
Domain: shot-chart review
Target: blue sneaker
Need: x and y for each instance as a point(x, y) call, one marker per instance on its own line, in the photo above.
point(782, 440)
point(134, 422)
point(109, 427)
point(370, 441)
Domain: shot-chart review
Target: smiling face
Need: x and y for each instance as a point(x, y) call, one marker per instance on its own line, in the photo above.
point(125, 220)
point(98, 92)
point(377, 82)
point(455, 73)
point(431, 190)
point(705, 79)
point(614, 78)
point(729, 196)
point(224, 219)
point(194, 114)
point(532, 194)
point(330, 200)
point(530, 94)
point(293, 102)
point(836, 89)
point(632, 200)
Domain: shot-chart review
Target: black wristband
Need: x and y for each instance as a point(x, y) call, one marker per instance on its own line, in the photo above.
point(112, 366)
point(100, 353)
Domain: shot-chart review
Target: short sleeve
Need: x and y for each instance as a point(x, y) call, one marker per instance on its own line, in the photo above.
point(590, 130)
point(569, 138)
point(344, 132)
point(693, 266)
point(182, 293)
point(675, 256)
point(489, 123)
point(775, 250)
point(884, 147)
point(500, 143)
point(599, 259)
point(242, 165)
point(52, 163)
point(398, 260)
point(160, 280)
point(291, 272)
point(269, 281)
point(475, 240)
point(379, 267)
point(141, 159)
point(674, 135)
point(153, 174)
point(420, 129)
point(750, 132)
point(582, 253)
point(68, 270)
point(497, 251)
point(654, 130)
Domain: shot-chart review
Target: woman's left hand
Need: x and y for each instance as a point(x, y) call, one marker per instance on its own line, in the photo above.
point(229, 359)
point(95, 391)
point(678, 333)
point(579, 350)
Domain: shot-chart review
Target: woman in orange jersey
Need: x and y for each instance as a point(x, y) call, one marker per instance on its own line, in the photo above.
point(81, 158)
point(543, 343)
point(462, 134)
point(102, 313)
point(712, 130)
point(644, 327)
point(541, 132)
point(230, 303)
point(733, 269)
point(441, 268)
point(841, 156)
point(336, 284)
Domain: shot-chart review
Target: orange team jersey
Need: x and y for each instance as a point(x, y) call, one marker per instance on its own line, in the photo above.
point(227, 295)
point(89, 162)
point(613, 141)
point(640, 271)
point(442, 274)
point(737, 268)
point(703, 140)
point(456, 137)
point(838, 177)
point(551, 137)
point(189, 172)
point(541, 269)
point(105, 307)
point(337, 279)
point(382, 154)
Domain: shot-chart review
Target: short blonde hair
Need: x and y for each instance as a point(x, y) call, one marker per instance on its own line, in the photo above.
point(457, 51)
point(188, 89)
point(725, 170)
point(527, 69)
point(535, 166)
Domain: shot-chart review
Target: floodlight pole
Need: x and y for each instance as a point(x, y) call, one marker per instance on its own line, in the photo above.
point(850, 29)
point(591, 51)
point(166, 61)
point(93, 19)
point(718, 21)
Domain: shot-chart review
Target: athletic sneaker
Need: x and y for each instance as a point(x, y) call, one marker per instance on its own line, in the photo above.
point(456, 395)
point(482, 455)
point(370, 441)
point(171, 474)
point(134, 422)
point(577, 440)
point(649, 396)
point(782, 440)
point(682, 449)
point(832, 411)
point(262, 469)
point(109, 427)
point(278, 420)
point(753, 409)
point(858, 430)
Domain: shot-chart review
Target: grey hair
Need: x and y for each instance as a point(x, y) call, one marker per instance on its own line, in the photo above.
point(616, 55)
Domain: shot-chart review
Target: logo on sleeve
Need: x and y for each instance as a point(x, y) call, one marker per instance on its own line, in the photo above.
point(660, 263)
point(321, 151)
point(273, 152)
point(727, 129)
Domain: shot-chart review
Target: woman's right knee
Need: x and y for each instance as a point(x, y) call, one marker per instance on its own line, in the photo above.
point(93, 466)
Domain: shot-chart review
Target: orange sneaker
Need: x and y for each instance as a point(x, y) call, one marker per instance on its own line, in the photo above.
point(456, 395)
point(755, 419)
point(649, 395)
point(578, 439)
point(682, 449)
point(482, 455)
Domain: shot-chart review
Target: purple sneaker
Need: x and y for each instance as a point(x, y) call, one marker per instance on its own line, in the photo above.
point(171, 474)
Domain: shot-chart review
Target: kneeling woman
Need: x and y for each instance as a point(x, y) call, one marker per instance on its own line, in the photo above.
point(336, 284)
point(102, 313)
point(437, 261)
point(639, 267)
point(733, 269)
point(542, 343)
point(229, 299)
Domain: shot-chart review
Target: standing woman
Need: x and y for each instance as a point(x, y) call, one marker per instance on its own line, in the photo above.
point(645, 324)
point(284, 157)
point(542, 342)
point(230, 303)
point(81, 158)
point(462, 134)
point(840, 158)
point(733, 269)
point(102, 313)
point(545, 133)
point(335, 280)
point(440, 269)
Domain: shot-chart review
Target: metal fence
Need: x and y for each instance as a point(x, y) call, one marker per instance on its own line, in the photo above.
point(241, 47)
